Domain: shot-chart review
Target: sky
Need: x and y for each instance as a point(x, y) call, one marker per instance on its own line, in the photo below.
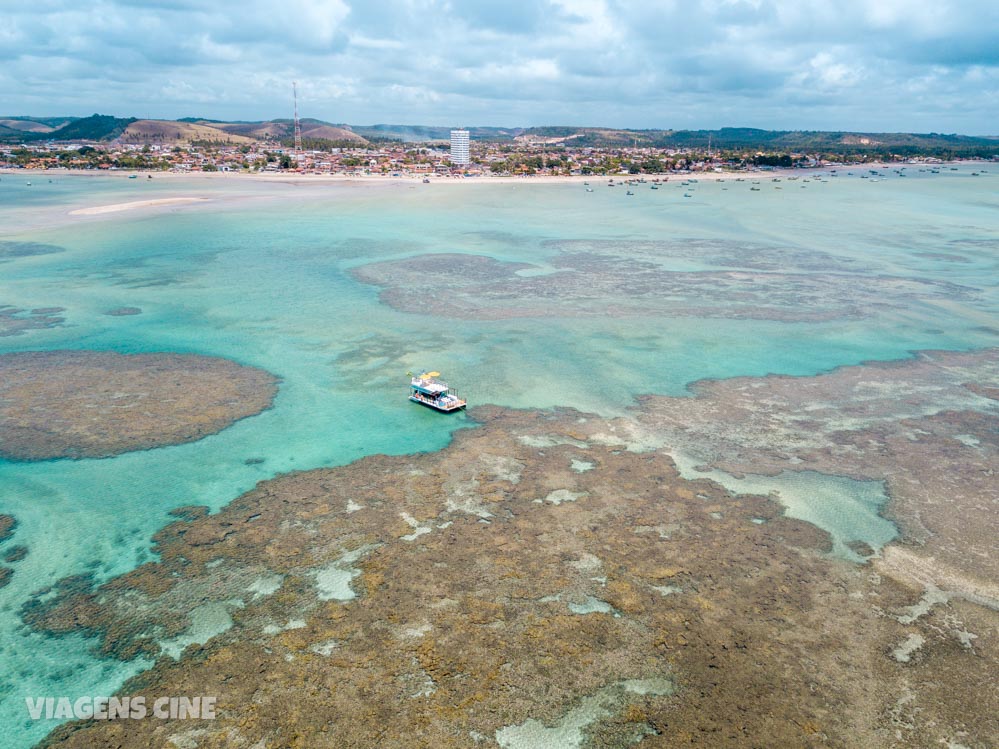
point(878, 65)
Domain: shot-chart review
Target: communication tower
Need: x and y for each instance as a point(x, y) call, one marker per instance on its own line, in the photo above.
point(298, 125)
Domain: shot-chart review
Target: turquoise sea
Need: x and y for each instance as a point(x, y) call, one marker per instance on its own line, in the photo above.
point(260, 274)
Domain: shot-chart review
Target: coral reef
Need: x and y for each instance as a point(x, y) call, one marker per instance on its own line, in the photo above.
point(90, 404)
point(592, 279)
point(541, 579)
point(17, 321)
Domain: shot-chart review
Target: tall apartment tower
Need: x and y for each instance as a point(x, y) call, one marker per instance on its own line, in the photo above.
point(460, 155)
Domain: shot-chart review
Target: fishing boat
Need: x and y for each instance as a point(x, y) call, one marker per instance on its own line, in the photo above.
point(427, 390)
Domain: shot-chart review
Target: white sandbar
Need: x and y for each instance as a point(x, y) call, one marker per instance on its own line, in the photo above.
point(116, 207)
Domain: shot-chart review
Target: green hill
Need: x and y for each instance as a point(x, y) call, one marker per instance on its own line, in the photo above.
point(95, 127)
point(421, 133)
point(744, 138)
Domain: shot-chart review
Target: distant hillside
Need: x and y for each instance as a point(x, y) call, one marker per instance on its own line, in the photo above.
point(320, 134)
point(26, 126)
point(35, 124)
point(175, 131)
point(421, 133)
point(330, 132)
point(764, 140)
point(186, 130)
point(95, 127)
point(282, 129)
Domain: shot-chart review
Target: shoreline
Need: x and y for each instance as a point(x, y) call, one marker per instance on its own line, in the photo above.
point(296, 177)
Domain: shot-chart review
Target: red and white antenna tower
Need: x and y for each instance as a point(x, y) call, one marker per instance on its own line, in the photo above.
point(298, 125)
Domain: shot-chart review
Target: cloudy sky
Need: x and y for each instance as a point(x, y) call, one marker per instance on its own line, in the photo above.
point(909, 65)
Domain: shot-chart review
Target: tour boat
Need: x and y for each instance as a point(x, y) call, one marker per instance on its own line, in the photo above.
point(427, 390)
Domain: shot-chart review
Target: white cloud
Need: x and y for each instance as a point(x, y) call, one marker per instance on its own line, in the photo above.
point(855, 64)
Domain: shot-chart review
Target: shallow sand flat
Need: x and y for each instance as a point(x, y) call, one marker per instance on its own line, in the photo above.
point(133, 205)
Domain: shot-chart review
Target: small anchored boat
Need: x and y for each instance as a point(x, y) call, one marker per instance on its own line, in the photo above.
point(427, 390)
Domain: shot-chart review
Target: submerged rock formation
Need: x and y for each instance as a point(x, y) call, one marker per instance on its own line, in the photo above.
point(546, 578)
point(661, 279)
point(94, 404)
point(17, 321)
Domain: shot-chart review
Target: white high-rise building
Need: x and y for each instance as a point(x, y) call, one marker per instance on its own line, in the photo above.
point(460, 155)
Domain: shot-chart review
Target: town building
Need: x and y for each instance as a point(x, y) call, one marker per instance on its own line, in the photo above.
point(460, 155)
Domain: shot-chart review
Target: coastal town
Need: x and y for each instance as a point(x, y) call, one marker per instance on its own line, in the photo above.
point(523, 156)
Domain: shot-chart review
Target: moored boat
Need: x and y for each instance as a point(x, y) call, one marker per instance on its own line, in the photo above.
point(427, 390)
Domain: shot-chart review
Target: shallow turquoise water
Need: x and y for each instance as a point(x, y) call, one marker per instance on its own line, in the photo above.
point(260, 275)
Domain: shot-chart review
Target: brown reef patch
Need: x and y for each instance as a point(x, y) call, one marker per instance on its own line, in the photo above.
point(16, 321)
point(123, 311)
point(928, 427)
point(7, 525)
point(91, 404)
point(15, 553)
point(431, 600)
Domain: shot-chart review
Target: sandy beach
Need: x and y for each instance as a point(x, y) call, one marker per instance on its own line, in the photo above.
point(133, 205)
point(299, 178)
point(307, 178)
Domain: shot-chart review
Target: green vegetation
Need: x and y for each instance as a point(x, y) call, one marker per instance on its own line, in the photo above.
point(99, 127)
point(325, 144)
point(770, 159)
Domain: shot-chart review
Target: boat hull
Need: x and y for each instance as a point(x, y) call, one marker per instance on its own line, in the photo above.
point(439, 407)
